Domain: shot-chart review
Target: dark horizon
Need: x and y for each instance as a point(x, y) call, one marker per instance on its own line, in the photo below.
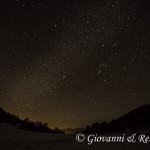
point(141, 110)
point(71, 63)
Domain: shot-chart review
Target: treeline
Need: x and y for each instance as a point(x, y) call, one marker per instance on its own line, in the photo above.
point(38, 127)
point(26, 124)
point(115, 126)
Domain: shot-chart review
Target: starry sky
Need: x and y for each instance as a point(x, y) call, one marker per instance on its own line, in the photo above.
point(70, 62)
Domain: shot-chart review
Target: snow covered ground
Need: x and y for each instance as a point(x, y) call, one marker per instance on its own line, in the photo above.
point(15, 139)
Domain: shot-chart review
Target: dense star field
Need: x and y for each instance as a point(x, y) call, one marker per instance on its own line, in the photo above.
point(70, 63)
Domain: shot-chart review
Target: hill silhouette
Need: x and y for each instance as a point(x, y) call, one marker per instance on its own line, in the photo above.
point(137, 119)
point(25, 124)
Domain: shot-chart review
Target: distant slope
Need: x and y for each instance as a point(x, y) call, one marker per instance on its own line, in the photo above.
point(72, 131)
point(137, 119)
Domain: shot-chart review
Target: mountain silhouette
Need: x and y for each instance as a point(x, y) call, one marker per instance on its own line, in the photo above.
point(137, 119)
point(25, 124)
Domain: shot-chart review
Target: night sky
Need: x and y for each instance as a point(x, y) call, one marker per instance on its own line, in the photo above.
point(73, 62)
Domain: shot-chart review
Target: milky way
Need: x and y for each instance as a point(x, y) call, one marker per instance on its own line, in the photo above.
point(70, 63)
